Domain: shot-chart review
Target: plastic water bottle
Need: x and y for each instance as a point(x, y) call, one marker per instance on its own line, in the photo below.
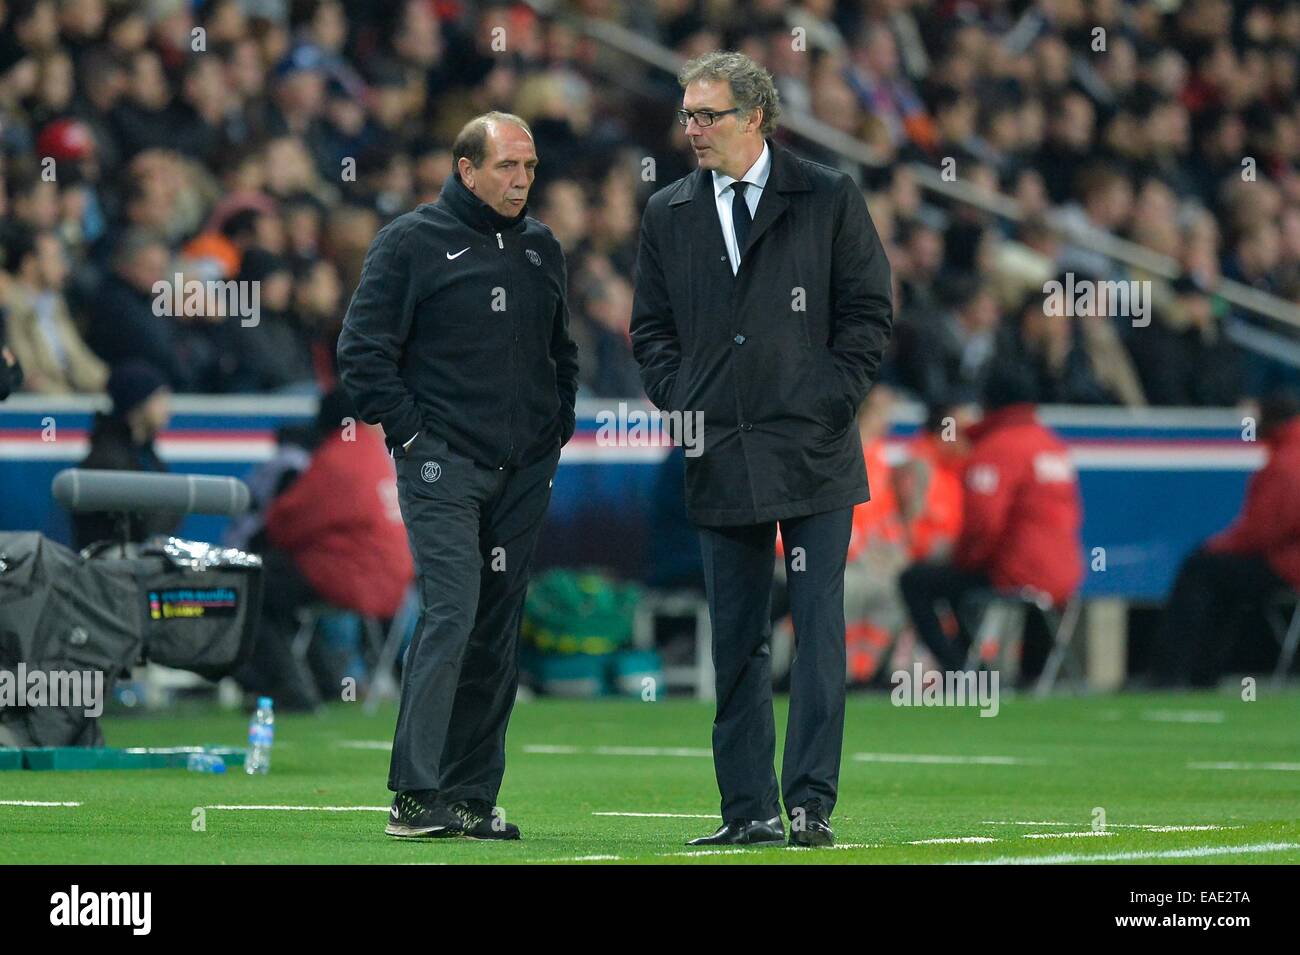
point(205, 763)
point(261, 734)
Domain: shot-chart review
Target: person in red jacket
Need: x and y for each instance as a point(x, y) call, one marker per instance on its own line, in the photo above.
point(1021, 520)
point(1238, 568)
point(341, 525)
point(335, 537)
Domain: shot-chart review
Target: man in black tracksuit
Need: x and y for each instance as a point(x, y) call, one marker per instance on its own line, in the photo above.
point(457, 343)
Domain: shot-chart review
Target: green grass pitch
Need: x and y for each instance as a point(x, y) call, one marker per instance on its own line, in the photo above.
point(1152, 763)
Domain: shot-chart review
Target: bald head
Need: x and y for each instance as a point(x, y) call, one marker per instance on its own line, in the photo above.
point(496, 160)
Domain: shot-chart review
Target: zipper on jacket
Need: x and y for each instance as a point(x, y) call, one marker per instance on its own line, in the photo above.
point(514, 344)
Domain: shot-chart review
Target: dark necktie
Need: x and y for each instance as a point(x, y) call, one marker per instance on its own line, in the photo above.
point(740, 217)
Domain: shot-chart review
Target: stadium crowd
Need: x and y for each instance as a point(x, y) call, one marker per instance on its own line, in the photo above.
point(274, 143)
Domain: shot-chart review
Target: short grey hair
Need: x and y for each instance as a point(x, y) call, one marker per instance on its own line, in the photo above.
point(471, 141)
point(751, 86)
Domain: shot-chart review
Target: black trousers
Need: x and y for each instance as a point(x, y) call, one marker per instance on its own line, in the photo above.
point(1196, 638)
point(738, 571)
point(473, 531)
point(923, 586)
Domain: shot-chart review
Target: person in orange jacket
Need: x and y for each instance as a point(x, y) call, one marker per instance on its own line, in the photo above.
point(1020, 527)
point(928, 481)
point(1238, 568)
point(877, 553)
point(873, 607)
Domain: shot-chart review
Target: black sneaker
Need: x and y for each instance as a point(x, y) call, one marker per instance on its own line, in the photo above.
point(481, 820)
point(418, 814)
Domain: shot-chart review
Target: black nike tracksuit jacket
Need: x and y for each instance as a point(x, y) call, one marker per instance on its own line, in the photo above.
point(459, 328)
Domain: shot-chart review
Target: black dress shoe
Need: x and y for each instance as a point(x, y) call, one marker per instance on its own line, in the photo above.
point(810, 831)
point(745, 832)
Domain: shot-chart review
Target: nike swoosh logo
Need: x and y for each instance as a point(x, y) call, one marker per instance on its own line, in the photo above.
point(461, 252)
point(393, 812)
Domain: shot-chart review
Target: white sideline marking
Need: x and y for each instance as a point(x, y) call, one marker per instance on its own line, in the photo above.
point(588, 859)
point(1004, 822)
point(305, 808)
point(365, 743)
point(739, 850)
point(1184, 716)
point(36, 802)
point(1280, 767)
point(618, 750)
point(1201, 852)
point(1111, 825)
point(1186, 828)
point(944, 760)
point(1067, 835)
point(660, 815)
point(936, 842)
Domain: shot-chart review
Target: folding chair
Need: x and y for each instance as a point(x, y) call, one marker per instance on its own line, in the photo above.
point(382, 649)
point(1001, 624)
point(687, 604)
point(1285, 630)
point(382, 684)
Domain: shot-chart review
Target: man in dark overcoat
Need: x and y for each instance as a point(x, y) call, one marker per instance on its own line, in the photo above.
point(762, 305)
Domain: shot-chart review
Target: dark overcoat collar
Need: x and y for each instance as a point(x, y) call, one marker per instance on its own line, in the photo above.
point(786, 176)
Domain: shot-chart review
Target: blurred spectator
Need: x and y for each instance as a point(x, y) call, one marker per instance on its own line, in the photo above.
point(1183, 356)
point(1106, 201)
point(1025, 265)
point(1071, 358)
point(1240, 567)
point(318, 312)
point(122, 440)
point(877, 554)
point(946, 354)
point(125, 325)
point(1021, 520)
point(35, 200)
point(563, 207)
point(878, 551)
point(927, 482)
point(352, 555)
point(272, 352)
point(144, 118)
point(41, 333)
point(604, 299)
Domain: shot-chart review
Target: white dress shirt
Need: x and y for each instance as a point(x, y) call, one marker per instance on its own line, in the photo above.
point(724, 194)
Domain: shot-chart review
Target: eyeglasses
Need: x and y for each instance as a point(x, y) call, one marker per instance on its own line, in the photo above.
point(703, 117)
